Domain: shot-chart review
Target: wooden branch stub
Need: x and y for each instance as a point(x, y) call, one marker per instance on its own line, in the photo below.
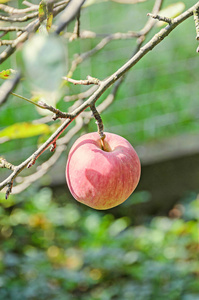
point(160, 18)
point(53, 146)
point(32, 162)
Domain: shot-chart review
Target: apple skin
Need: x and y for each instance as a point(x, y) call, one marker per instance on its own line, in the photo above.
point(102, 179)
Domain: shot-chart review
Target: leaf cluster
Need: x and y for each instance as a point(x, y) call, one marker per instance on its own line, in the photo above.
point(51, 250)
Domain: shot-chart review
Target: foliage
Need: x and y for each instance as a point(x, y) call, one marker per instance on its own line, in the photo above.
point(58, 250)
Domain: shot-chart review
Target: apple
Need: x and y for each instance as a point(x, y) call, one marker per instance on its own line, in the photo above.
point(102, 177)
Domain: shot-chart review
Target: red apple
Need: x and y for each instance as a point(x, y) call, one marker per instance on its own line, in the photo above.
point(102, 178)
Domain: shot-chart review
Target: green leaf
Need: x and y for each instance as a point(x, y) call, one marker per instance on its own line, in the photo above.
point(4, 1)
point(171, 11)
point(6, 74)
point(24, 130)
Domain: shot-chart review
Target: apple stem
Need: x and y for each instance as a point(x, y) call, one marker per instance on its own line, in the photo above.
point(102, 143)
point(100, 125)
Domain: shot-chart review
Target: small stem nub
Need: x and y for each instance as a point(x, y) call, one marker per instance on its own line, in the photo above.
point(100, 125)
point(53, 146)
point(102, 142)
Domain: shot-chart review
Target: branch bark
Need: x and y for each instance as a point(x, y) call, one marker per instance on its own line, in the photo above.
point(7, 87)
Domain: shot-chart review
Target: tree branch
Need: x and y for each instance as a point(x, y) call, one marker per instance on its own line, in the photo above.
point(11, 10)
point(12, 28)
point(111, 37)
point(58, 113)
point(33, 26)
point(69, 14)
point(44, 167)
point(115, 36)
point(90, 80)
point(7, 87)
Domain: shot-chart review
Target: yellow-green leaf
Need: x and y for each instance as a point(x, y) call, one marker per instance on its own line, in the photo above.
point(24, 130)
point(42, 10)
point(6, 74)
point(171, 11)
point(4, 1)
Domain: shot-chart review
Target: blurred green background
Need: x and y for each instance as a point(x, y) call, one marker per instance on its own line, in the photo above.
point(53, 248)
point(148, 248)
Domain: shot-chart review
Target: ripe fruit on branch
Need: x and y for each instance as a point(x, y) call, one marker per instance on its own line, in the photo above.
point(102, 178)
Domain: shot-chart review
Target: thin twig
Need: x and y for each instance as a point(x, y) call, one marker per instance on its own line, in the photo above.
point(7, 87)
point(116, 36)
point(28, 100)
point(6, 42)
point(11, 10)
point(76, 31)
point(90, 80)
point(19, 19)
point(43, 105)
point(5, 164)
point(151, 22)
point(12, 28)
point(44, 167)
point(160, 18)
point(33, 26)
point(69, 14)
point(58, 113)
